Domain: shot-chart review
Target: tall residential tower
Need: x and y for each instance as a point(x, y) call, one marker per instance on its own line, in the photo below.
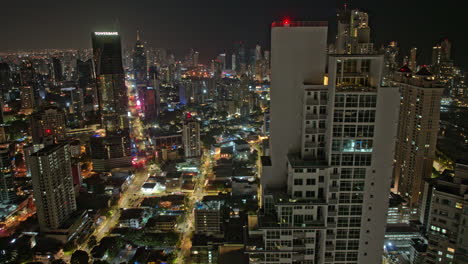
point(325, 188)
point(417, 132)
point(191, 137)
point(53, 185)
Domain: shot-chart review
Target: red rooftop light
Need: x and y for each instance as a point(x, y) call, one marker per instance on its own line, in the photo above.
point(288, 23)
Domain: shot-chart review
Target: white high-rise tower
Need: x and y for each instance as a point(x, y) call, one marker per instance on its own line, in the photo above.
point(332, 143)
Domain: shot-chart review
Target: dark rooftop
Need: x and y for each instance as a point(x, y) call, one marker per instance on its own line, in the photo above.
point(149, 185)
point(48, 149)
point(131, 213)
point(424, 72)
point(405, 69)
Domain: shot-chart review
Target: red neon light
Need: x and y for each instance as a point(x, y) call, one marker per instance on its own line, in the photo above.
point(48, 131)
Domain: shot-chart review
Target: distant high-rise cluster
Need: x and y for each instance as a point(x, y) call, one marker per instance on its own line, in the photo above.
point(353, 35)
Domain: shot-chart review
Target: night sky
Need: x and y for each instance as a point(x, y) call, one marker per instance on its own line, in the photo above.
point(213, 26)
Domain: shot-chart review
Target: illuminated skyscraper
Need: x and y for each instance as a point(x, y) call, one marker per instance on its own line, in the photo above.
point(445, 50)
point(196, 58)
point(7, 186)
point(441, 52)
point(111, 89)
point(390, 62)
point(53, 185)
point(445, 70)
point(412, 63)
point(258, 53)
point(233, 62)
point(27, 98)
point(241, 57)
point(191, 137)
point(353, 36)
point(139, 61)
point(417, 132)
point(222, 59)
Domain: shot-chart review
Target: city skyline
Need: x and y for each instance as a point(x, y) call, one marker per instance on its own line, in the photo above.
point(212, 28)
point(248, 133)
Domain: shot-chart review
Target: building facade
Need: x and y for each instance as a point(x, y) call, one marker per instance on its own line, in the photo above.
point(48, 124)
point(447, 217)
point(208, 217)
point(337, 177)
point(417, 132)
point(27, 98)
point(110, 80)
point(298, 56)
point(140, 68)
point(191, 138)
point(7, 186)
point(53, 185)
point(353, 36)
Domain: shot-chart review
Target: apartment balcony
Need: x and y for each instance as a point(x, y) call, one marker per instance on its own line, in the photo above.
point(332, 213)
point(312, 116)
point(311, 224)
point(334, 176)
point(331, 225)
point(312, 101)
point(300, 247)
point(311, 130)
point(298, 257)
point(330, 236)
point(332, 201)
point(311, 144)
point(334, 189)
point(330, 247)
point(328, 258)
point(299, 235)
